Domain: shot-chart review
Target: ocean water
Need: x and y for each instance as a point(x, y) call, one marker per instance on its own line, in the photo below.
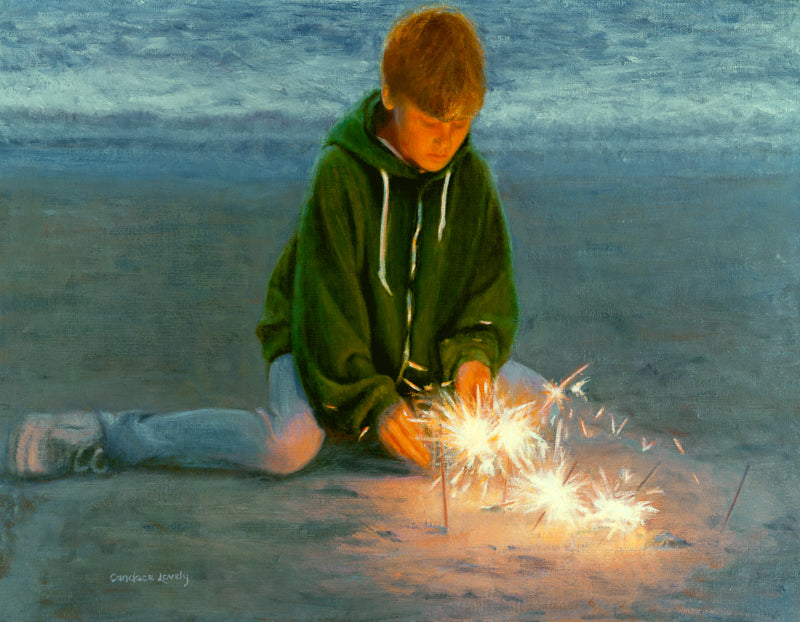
point(247, 89)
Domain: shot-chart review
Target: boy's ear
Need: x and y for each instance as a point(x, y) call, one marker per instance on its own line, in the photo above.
point(386, 97)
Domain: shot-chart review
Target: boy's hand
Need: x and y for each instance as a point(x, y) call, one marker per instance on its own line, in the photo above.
point(401, 436)
point(473, 377)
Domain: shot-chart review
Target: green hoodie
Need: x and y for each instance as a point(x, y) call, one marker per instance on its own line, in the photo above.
point(393, 279)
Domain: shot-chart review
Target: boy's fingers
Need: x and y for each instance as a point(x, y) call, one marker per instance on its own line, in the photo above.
point(402, 440)
point(407, 445)
point(472, 379)
point(411, 436)
point(416, 451)
point(408, 427)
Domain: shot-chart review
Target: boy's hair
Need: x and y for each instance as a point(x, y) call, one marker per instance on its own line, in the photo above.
point(433, 58)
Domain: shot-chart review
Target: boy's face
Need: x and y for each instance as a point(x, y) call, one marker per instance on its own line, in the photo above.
point(422, 140)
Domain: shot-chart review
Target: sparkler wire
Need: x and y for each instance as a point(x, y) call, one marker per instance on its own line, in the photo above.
point(735, 498)
point(648, 476)
point(444, 479)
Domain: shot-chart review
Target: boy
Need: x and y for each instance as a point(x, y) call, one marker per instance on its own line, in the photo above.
point(399, 275)
point(398, 278)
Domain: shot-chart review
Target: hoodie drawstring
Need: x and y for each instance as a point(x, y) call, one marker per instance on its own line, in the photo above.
point(443, 211)
point(384, 221)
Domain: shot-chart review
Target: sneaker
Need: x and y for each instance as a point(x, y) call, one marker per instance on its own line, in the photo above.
point(46, 445)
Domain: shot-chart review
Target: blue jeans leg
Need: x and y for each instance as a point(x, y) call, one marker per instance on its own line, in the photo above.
point(518, 374)
point(281, 439)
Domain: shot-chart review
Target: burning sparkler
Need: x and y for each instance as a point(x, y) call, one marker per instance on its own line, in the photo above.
point(483, 440)
point(616, 509)
point(558, 496)
point(496, 443)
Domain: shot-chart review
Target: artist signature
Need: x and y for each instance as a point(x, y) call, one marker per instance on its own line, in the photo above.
point(161, 577)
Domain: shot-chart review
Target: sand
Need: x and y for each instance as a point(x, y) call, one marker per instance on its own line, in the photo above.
point(143, 293)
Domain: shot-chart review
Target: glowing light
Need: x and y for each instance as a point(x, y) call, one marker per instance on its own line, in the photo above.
point(495, 443)
point(549, 490)
point(577, 388)
point(484, 439)
point(616, 509)
point(517, 439)
point(555, 394)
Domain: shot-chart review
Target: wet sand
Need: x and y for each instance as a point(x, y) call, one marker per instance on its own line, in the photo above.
point(682, 295)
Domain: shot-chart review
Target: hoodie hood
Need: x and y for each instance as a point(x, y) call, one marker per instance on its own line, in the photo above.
point(356, 132)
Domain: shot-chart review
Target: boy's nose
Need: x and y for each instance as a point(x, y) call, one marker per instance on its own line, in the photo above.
point(443, 136)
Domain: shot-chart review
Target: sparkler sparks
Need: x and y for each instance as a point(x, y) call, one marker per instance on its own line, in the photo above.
point(556, 394)
point(486, 439)
point(616, 509)
point(514, 451)
point(554, 491)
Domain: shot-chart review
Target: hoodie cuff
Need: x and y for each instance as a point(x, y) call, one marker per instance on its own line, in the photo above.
point(467, 347)
point(381, 401)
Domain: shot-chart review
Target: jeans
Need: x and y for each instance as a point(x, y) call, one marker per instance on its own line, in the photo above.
point(281, 439)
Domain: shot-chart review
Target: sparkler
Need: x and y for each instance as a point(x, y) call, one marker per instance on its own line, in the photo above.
point(484, 440)
point(555, 394)
point(266, 418)
point(616, 509)
point(552, 491)
point(496, 443)
point(444, 482)
point(735, 498)
point(648, 476)
point(564, 483)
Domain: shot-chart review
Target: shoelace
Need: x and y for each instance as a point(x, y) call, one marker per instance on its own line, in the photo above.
point(91, 459)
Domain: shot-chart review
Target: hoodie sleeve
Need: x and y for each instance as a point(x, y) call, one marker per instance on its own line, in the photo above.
point(486, 324)
point(330, 326)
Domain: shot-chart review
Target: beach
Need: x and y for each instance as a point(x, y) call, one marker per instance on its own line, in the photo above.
point(154, 162)
point(133, 298)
